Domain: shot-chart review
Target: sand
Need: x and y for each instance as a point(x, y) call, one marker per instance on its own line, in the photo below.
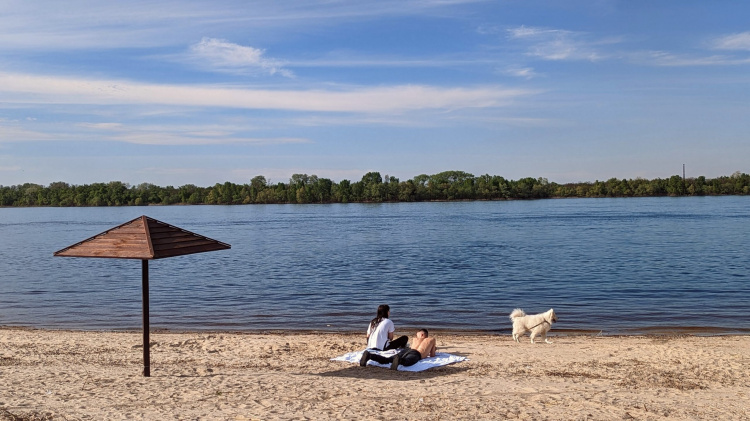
point(64, 375)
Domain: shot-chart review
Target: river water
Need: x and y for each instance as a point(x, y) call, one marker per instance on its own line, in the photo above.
point(607, 266)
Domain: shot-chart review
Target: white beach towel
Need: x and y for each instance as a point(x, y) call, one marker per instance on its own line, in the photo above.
point(439, 359)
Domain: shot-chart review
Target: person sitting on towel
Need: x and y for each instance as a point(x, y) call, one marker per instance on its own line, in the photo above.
point(380, 331)
point(422, 347)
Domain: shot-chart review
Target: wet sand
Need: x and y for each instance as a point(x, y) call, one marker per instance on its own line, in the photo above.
point(71, 375)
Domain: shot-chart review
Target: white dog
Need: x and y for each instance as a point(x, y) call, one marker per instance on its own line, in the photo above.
point(537, 324)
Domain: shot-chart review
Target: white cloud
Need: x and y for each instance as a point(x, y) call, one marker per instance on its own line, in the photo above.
point(740, 41)
point(365, 120)
point(91, 24)
point(21, 88)
point(102, 126)
point(179, 135)
point(348, 59)
point(183, 140)
point(83, 24)
point(557, 44)
point(533, 32)
point(20, 134)
point(666, 59)
point(224, 56)
point(522, 72)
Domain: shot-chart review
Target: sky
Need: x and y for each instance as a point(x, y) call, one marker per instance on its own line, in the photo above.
point(198, 92)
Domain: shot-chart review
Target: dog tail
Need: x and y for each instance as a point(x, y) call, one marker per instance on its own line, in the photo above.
point(516, 313)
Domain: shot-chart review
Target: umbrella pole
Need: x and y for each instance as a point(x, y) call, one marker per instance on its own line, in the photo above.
point(146, 343)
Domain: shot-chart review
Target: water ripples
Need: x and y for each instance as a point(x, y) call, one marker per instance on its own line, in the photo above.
point(612, 265)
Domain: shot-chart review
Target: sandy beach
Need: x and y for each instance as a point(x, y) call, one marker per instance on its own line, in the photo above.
point(70, 375)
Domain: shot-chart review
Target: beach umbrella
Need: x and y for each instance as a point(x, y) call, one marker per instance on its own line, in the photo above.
point(146, 239)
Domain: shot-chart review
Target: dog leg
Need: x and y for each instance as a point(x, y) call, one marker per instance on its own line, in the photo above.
point(547, 340)
point(532, 337)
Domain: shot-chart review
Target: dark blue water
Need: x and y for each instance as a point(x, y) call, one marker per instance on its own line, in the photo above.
point(617, 266)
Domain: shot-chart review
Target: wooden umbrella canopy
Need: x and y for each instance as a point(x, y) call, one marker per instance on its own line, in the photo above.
point(146, 239)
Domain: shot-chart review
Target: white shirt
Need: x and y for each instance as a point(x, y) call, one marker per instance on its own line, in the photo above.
point(379, 338)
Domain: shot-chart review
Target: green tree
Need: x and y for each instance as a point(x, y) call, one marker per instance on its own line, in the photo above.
point(676, 186)
point(342, 192)
point(420, 184)
point(372, 187)
point(257, 185)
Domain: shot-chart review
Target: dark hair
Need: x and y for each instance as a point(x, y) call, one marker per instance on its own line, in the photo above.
point(383, 311)
point(426, 334)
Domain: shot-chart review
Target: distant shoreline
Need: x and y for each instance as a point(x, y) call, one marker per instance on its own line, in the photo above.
point(355, 203)
point(372, 188)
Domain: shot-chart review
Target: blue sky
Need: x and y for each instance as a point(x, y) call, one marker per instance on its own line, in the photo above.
point(186, 92)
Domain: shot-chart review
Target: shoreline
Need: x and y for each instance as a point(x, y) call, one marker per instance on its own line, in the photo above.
point(555, 332)
point(77, 375)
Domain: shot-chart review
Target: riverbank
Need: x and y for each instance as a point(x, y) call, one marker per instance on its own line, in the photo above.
point(97, 375)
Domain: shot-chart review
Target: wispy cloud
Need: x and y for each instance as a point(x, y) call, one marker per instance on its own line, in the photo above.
point(13, 133)
point(558, 44)
point(365, 120)
point(90, 24)
point(739, 41)
point(522, 72)
point(223, 56)
point(666, 59)
point(729, 43)
point(101, 126)
point(85, 24)
point(180, 135)
point(533, 32)
point(21, 88)
point(347, 59)
point(178, 140)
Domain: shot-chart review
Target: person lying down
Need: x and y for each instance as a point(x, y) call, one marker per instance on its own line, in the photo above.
point(423, 347)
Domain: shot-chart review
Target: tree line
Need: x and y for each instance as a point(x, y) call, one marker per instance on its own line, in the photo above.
point(372, 188)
